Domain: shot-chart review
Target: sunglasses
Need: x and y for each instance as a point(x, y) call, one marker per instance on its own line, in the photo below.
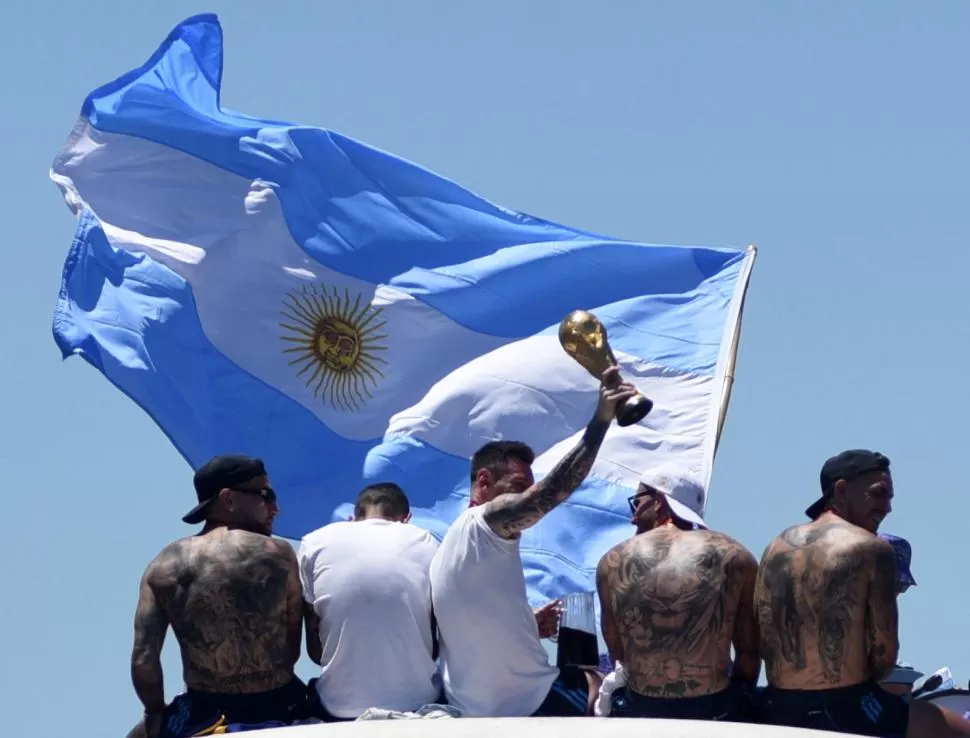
point(268, 494)
point(634, 500)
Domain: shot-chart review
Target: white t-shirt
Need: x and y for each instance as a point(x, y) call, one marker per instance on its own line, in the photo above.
point(368, 582)
point(494, 662)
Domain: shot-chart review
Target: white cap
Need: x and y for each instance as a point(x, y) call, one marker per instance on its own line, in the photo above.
point(686, 496)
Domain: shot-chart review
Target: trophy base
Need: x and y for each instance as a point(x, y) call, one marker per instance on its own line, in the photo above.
point(633, 411)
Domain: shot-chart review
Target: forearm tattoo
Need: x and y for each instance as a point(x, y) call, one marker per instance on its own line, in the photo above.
point(509, 515)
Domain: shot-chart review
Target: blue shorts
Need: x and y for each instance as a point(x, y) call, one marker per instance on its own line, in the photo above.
point(568, 696)
point(193, 712)
point(734, 704)
point(862, 709)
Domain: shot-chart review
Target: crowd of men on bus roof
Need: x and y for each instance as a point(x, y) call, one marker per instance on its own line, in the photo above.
point(397, 621)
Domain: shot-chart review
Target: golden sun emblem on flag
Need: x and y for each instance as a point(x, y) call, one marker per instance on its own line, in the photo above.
point(334, 343)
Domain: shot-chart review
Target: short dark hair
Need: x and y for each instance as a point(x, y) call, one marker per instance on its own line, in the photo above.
point(385, 498)
point(496, 454)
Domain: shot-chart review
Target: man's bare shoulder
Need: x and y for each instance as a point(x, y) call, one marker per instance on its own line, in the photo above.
point(837, 547)
point(169, 560)
point(220, 547)
point(242, 547)
point(737, 554)
point(280, 547)
point(239, 543)
point(614, 558)
point(832, 535)
point(699, 547)
point(670, 546)
point(651, 546)
point(875, 549)
point(629, 547)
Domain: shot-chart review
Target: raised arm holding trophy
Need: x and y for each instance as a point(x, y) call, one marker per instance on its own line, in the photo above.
point(583, 337)
point(517, 680)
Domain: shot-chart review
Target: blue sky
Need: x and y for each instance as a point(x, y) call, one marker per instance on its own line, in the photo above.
point(832, 135)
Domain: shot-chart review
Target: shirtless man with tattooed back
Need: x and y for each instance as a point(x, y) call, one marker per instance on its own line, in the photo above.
point(673, 600)
point(826, 605)
point(232, 597)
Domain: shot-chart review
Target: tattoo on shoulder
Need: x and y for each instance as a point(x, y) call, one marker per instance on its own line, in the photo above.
point(810, 592)
point(228, 605)
point(509, 515)
point(673, 598)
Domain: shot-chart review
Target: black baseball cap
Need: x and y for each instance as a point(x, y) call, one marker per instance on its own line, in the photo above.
point(848, 465)
point(217, 474)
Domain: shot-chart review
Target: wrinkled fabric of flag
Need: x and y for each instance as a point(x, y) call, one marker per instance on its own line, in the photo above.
point(287, 292)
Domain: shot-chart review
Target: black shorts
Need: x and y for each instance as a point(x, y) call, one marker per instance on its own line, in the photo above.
point(568, 696)
point(734, 703)
point(193, 712)
point(862, 709)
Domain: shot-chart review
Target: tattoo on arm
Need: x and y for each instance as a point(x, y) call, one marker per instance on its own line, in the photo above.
point(509, 515)
point(747, 637)
point(293, 608)
point(611, 633)
point(146, 654)
point(882, 615)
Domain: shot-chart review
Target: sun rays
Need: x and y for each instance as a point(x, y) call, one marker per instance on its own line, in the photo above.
point(335, 344)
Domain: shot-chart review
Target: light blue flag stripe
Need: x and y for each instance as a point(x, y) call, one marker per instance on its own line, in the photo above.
point(418, 221)
point(135, 321)
point(105, 298)
point(138, 313)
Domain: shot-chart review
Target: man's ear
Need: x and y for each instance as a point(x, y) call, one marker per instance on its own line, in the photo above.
point(483, 479)
point(225, 497)
point(839, 490)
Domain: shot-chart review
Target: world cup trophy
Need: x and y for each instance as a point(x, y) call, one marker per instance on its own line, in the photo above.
point(583, 337)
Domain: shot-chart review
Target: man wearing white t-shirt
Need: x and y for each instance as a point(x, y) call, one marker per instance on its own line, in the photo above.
point(494, 662)
point(368, 616)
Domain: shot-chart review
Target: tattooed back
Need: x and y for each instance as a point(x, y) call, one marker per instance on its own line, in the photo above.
point(675, 599)
point(817, 606)
point(234, 603)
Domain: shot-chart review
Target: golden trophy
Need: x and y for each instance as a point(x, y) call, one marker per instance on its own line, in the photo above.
point(583, 337)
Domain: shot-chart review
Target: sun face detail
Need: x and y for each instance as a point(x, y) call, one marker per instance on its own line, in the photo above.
point(335, 344)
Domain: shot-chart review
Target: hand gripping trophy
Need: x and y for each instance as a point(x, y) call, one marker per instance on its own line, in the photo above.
point(583, 337)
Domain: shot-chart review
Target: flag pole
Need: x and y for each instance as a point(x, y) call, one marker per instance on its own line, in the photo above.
point(733, 356)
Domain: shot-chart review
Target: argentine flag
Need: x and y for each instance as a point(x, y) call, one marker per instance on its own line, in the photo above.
point(290, 293)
